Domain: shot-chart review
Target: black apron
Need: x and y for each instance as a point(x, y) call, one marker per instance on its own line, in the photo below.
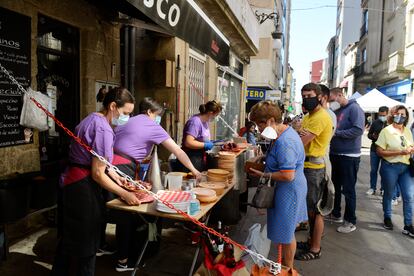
point(83, 210)
point(197, 157)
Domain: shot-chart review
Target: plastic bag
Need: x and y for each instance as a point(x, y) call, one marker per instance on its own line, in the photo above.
point(31, 115)
point(257, 241)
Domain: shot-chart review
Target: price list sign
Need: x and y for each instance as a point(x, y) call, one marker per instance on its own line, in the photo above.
point(15, 56)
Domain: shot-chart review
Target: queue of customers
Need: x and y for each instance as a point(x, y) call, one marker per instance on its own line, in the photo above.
point(316, 161)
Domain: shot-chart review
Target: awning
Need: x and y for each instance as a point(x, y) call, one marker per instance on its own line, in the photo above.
point(184, 19)
point(343, 84)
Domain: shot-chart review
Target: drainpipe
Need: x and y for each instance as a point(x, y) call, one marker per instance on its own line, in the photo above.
point(177, 97)
point(382, 29)
point(125, 53)
point(131, 59)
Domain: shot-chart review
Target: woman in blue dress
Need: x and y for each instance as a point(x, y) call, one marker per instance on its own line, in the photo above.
point(284, 166)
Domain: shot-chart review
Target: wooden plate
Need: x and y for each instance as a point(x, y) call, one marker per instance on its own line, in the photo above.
point(216, 186)
point(205, 195)
point(217, 172)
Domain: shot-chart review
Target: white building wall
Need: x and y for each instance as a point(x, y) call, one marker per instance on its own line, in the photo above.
point(409, 37)
point(349, 24)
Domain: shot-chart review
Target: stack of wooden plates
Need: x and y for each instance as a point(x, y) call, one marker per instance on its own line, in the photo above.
point(226, 162)
point(205, 195)
point(218, 175)
point(218, 187)
point(179, 199)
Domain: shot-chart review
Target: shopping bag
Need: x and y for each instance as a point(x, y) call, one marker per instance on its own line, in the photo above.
point(257, 240)
point(31, 115)
point(263, 198)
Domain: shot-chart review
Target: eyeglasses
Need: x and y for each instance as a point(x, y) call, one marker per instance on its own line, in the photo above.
point(403, 141)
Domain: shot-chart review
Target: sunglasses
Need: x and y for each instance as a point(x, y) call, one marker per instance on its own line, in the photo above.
point(403, 141)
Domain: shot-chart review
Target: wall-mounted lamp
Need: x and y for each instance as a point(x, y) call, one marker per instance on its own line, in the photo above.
point(264, 16)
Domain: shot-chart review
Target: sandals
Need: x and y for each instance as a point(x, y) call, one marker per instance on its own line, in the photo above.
point(303, 245)
point(308, 255)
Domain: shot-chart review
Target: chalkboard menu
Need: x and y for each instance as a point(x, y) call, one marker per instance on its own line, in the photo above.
point(15, 38)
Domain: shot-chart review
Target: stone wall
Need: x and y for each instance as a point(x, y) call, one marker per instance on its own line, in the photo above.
point(99, 48)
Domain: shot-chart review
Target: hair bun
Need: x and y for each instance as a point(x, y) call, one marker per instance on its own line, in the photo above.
point(202, 108)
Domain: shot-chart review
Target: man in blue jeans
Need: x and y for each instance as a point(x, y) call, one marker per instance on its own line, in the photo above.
point(375, 160)
point(345, 155)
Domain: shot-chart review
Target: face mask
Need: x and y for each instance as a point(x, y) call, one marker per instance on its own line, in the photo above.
point(158, 119)
point(269, 133)
point(121, 120)
point(334, 106)
point(310, 103)
point(382, 118)
point(399, 119)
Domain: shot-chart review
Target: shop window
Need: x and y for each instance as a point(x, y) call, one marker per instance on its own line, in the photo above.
point(229, 92)
point(196, 82)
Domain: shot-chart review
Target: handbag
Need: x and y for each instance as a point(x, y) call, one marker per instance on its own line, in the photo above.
point(264, 196)
point(411, 167)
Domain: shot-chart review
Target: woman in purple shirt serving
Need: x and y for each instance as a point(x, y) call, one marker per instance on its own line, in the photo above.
point(82, 203)
point(196, 134)
point(133, 146)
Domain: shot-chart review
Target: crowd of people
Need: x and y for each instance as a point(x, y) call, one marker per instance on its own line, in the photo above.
point(315, 160)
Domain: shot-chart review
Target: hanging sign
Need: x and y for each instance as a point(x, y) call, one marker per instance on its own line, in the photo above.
point(15, 39)
point(256, 94)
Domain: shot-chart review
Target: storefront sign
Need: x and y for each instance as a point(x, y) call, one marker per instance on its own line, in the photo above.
point(273, 95)
point(15, 39)
point(186, 20)
point(256, 94)
point(398, 88)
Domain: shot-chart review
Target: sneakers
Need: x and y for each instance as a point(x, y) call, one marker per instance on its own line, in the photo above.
point(332, 218)
point(394, 202)
point(105, 250)
point(120, 267)
point(388, 224)
point(408, 230)
point(370, 192)
point(346, 228)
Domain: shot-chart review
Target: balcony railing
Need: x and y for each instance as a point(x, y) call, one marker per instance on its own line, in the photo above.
point(393, 64)
point(359, 70)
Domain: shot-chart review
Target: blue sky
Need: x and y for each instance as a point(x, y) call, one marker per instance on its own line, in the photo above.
point(310, 32)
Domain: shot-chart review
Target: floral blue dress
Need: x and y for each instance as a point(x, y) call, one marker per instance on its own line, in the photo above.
point(287, 154)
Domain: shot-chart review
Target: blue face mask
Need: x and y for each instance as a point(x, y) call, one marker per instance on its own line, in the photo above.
point(399, 119)
point(158, 119)
point(121, 120)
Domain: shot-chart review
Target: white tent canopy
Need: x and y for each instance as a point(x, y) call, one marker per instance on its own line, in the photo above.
point(374, 99)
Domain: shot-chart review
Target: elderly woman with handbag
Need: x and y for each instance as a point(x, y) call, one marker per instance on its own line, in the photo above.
point(284, 167)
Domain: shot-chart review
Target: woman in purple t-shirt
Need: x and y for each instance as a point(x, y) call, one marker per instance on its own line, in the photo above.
point(196, 134)
point(83, 206)
point(133, 144)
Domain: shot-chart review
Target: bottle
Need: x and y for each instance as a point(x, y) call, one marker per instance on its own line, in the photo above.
point(220, 242)
point(230, 261)
point(213, 247)
point(194, 207)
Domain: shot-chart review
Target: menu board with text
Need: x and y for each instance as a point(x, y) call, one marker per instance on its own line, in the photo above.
point(15, 56)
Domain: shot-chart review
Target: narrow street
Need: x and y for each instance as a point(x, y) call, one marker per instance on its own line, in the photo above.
point(371, 250)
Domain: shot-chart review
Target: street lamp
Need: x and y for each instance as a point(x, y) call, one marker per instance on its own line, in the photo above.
point(264, 16)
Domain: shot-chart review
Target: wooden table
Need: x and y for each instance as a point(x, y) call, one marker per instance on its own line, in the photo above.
point(149, 209)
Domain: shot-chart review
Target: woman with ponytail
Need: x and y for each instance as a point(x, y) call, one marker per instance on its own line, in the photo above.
point(196, 134)
point(83, 207)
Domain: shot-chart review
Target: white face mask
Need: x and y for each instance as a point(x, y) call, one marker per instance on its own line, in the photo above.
point(158, 119)
point(334, 106)
point(269, 133)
